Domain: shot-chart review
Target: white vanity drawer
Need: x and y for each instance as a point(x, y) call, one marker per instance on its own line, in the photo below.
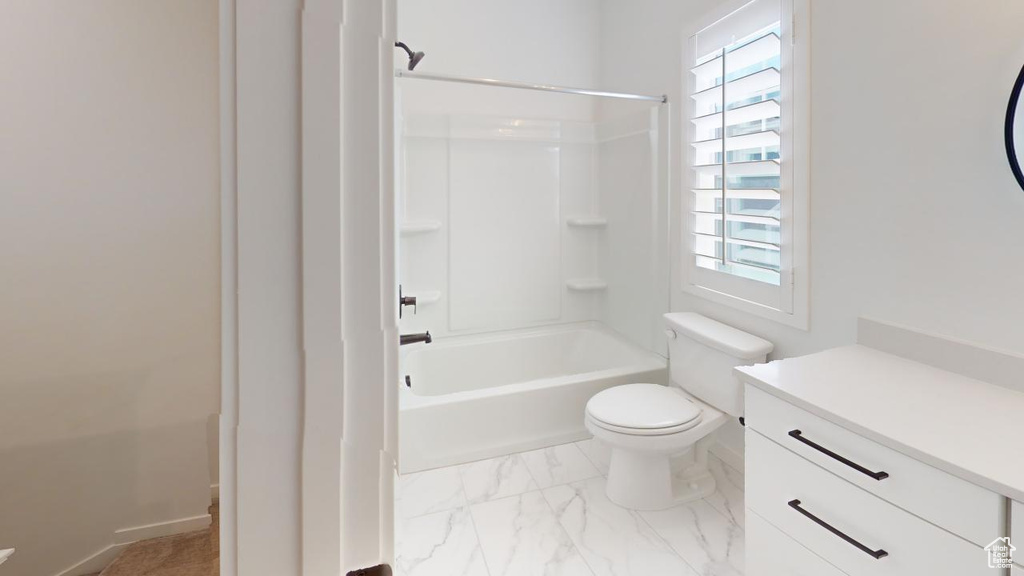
point(957, 505)
point(772, 553)
point(788, 490)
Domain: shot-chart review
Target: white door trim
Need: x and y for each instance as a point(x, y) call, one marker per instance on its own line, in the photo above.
point(323, 279)
point(309, 321)
point(228, 420)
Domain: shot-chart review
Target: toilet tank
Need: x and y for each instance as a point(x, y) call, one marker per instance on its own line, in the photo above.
point(702, 353)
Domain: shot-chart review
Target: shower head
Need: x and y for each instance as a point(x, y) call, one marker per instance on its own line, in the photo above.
point(414, 57)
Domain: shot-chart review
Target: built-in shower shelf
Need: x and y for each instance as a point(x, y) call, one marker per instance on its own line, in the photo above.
point(586, 285)
point(413, 227)
point(587, 222)
point(426, 297)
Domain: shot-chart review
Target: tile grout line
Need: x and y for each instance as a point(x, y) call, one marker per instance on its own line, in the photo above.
point(731, 518)
point(540, 490)
point(587, 456)
point(472, 520)
point(727, 518)
point(530, 470)
point(637, 514)
point(588, 459)
point(558, 519)
point(725, 499)
point(665, 542)
point(428, 513)
point(551, 509)
point(726, 464)
point(537, 488)
point(733, 524)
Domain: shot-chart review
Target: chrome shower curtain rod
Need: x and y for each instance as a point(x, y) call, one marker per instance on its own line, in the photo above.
point(399, 73)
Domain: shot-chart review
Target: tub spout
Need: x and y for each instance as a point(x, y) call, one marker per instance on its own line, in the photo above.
point(413, 338)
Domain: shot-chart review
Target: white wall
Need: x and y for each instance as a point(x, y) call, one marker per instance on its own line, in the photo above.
point(632, 187)
point(916, 218)
point(531, 41)
point(537, 41)
point(109, 307)
point(500, 253)
point(503, 253)
point(500, 191)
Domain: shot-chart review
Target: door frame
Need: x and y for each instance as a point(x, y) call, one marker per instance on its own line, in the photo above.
point(309, 322)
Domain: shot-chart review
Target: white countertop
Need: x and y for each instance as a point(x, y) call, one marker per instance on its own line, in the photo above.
point(969, 428)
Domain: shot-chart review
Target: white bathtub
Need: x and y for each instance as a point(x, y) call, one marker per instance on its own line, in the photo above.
point(475, 397)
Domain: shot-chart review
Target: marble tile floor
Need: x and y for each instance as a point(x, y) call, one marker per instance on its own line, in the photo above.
point(545, 513)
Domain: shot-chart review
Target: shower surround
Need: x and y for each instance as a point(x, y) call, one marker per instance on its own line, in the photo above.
point(537, 251)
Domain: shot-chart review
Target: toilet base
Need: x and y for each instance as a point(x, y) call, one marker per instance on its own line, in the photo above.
point(693, 485)
point(640, 481)
point(640, 475)
point(644, 480)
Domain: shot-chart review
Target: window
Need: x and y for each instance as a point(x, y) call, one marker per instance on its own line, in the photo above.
point(747, 190)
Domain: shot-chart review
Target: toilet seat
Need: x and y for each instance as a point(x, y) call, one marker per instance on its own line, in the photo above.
point(643, 410)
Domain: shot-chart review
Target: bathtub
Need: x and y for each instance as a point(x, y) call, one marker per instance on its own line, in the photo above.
point(476, 397)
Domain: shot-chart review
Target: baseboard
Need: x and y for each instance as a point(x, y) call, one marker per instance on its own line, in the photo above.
point(5, 554)
point(726, 454)
point(97, 562)
point(127, 536)
point(215, 492)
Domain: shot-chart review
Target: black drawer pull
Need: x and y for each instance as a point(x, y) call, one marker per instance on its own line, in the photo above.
point(876, 475)
point(876, 554)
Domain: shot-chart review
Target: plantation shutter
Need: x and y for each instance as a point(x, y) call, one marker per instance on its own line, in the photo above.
point(737, 158)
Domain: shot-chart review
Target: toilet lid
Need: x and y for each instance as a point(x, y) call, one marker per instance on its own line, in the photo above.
point(642, 407)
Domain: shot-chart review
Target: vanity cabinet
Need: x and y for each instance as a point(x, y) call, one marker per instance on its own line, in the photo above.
point(941, 498)
point(855, 529)
point(845, 474)
point(770, 552)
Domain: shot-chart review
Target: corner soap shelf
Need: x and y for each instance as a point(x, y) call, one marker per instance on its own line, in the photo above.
point(586, 285)
point(587, 222)
point(412, 227)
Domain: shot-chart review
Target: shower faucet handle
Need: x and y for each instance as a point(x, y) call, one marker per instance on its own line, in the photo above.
point(405, 301)
point(424, 337)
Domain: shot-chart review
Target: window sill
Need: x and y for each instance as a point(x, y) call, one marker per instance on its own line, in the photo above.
point(798, 319)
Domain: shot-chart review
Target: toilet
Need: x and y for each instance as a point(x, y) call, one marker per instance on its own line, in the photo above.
point(648, 425)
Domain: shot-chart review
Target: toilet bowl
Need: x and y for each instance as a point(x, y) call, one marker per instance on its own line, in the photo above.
point(647, 425)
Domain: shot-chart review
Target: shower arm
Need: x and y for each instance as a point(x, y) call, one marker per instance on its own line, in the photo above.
point(403, 46)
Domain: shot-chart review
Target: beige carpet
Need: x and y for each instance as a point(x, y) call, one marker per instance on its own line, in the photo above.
point(191, 554)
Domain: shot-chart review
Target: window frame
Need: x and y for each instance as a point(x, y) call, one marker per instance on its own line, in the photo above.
point(787, 303)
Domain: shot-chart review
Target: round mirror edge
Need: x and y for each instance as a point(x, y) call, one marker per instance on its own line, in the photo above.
point(1011, 113)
